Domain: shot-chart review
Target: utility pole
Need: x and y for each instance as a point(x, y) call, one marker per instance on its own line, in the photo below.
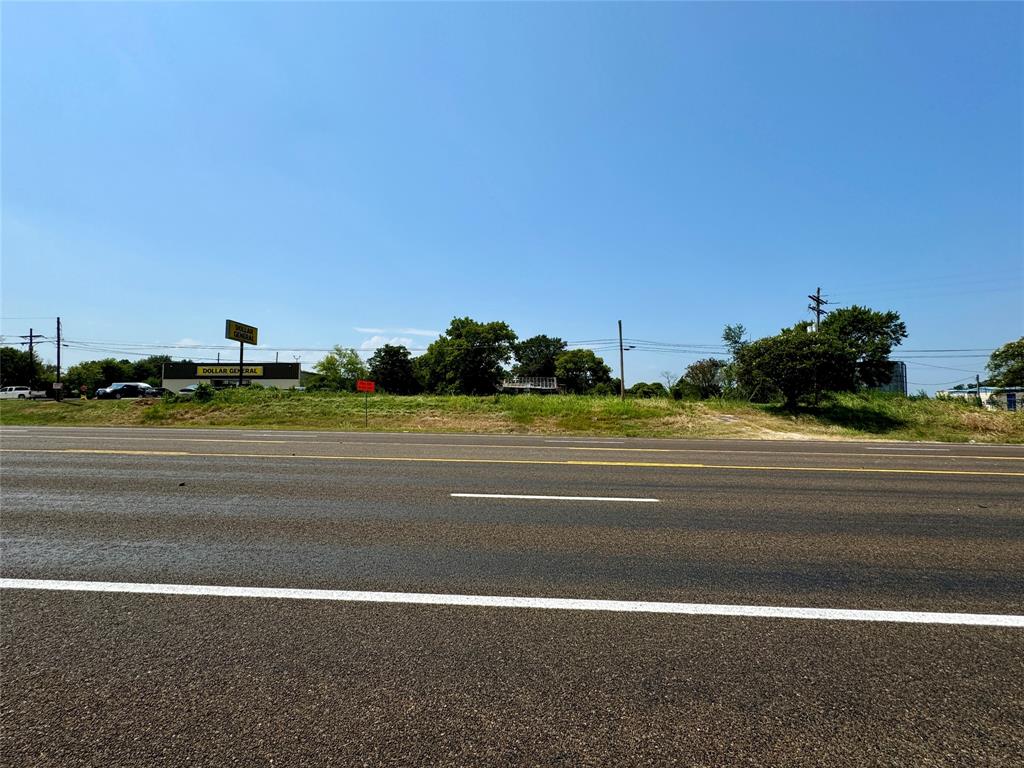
point(58, 387)
point(622, 367)
point(816, 307)
point(32, 336)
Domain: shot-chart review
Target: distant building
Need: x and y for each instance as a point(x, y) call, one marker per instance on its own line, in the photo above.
point(994, 398)
point(898, 382)
point(175, 376)
point(542, 385)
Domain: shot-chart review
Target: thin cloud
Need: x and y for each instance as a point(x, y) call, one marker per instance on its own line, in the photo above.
point(378, 341)
point(407, 331)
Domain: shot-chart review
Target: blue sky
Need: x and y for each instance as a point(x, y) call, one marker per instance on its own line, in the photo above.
point(349, 173)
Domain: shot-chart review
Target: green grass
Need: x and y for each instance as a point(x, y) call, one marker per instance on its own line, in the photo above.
point(837, 417)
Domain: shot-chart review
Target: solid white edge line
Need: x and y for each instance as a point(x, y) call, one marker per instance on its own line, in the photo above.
point(547, 498)
point(549, 603)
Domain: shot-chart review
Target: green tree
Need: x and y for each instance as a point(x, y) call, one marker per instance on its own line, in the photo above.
point(648, 389)
point(870, 337)
point(391, 367)
point(580, 371)
point(88, 374)
point(707, 376)
point(468, 358)
point(733, 337)
point(17, 368)
point(94, 374)
point(115, 370)
point(340, 368)
point(150, 369)
point(1006, 365)
point(796, 363)
point(536, 356)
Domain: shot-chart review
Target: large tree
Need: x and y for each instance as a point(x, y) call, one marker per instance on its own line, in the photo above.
point(469, 358)
point(93, 374)
point(870, 337)
point(340, 368)
point(536, 356)
point(707, 376)
point(1006, 365)
point(150, 369)
point(17, 368)
point(797, 363)
point(735, 338)
point(580, 371)
point(391, 367)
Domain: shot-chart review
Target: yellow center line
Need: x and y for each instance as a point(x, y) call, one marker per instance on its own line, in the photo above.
point(534, 447)
point(549, 462)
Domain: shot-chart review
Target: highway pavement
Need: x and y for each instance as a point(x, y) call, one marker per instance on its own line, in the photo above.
point(734, 538)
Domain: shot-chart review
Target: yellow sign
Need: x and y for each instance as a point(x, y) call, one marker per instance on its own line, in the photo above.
point(240, 332)
point(228, 370)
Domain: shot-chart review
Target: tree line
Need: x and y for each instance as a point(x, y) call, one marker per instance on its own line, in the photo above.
point(470, 358)
point(18, 368)
point(850, 350)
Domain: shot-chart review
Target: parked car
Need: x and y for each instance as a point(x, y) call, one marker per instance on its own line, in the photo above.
point(20, 393)
point(121, 389)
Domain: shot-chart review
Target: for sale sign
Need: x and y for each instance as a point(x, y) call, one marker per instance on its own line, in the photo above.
point(362, 385)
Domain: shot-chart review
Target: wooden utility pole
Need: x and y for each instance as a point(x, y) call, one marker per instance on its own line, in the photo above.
point(622, 366)
point(32, 336)
point(816, 306)
point(58, 350)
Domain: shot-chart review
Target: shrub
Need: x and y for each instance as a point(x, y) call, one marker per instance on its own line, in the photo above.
point(204, 393)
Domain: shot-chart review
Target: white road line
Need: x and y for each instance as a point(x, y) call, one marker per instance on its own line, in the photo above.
point(616, 442)
point(907, 449)
point(549, 603)
point(546, 498)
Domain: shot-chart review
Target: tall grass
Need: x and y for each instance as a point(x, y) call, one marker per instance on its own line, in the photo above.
point(870, 415)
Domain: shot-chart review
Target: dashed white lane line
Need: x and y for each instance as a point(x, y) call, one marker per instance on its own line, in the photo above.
point(547, 498)
point(549, 603)
point(595, 442)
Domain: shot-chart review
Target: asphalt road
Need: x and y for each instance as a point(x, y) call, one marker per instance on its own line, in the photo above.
point(142, 679)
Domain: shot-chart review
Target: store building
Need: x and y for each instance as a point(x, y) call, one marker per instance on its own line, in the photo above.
point(175, 376)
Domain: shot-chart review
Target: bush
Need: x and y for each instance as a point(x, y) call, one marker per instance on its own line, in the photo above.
point(204, 393)
point(644, 389)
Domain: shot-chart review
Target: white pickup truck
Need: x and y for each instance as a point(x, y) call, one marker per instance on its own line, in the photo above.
point(21, 393)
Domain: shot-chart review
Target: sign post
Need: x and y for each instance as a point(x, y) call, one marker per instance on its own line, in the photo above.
point(243, 334)
point(366, 387)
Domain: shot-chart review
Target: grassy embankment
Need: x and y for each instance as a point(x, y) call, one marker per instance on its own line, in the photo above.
point(839, 417)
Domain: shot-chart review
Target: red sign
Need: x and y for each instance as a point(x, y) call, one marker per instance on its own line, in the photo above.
point(362, 385)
